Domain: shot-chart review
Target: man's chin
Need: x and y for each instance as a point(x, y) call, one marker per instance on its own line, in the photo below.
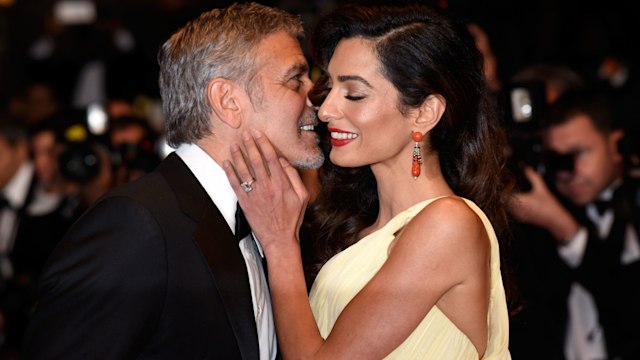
point(579, 194)
point(580, 199)
point(308, 133)
point(310, 162)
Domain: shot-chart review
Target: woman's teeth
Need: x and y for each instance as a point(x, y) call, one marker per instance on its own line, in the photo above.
point(343, 135)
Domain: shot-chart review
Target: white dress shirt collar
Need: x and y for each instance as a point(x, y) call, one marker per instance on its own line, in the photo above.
point(213, 179)
point(17, 188)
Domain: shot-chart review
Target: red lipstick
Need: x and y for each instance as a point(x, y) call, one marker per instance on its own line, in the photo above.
point(341, 137)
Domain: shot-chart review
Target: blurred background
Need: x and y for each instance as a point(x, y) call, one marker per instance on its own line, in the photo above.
point(70, 54)
point(80, 76)
point(127, 33)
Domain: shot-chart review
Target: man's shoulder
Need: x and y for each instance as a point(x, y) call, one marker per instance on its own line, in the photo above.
point(627, 195)
point(169, 188)
point(149, 183)
point(144, 186)
point(150, 190)
point(634, 181)
point(631, 186)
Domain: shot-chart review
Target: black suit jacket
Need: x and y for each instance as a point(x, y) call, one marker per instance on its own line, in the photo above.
point(614, 284)
point(150, 271)
point(545, 282)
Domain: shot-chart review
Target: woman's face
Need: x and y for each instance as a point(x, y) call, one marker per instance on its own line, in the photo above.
point(361, 109)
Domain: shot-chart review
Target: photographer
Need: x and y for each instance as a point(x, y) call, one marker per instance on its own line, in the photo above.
point(134, 147)
point(527, 97)
point(31, 224)
point(588, 292)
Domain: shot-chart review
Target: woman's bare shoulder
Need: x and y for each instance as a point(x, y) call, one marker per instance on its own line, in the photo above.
point(447, 222)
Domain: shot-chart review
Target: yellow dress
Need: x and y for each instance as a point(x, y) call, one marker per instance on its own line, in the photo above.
point(436, 337)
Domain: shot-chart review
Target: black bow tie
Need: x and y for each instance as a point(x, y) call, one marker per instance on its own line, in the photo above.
point(242, 226)
point(602, 206)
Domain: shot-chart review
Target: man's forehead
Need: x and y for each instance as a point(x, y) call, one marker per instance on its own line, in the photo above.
point(281, 49)
point(578, 130)
point(297, 68)
point(577, 125)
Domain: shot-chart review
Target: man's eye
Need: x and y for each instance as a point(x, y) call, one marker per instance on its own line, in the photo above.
point(297, 82)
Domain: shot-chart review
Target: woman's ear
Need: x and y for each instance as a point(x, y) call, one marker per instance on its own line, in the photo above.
point(430, 113)
point(223, 96)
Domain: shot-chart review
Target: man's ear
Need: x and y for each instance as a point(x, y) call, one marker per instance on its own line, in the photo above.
point(223, 96)
point(615, 141)
point(430, 113)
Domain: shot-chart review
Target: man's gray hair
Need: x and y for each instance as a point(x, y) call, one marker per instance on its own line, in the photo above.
point(220, 43)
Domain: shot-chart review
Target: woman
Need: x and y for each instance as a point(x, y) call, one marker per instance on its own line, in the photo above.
point(414, 269)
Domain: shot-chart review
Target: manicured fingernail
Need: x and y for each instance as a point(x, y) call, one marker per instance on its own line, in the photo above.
point(257, 134)
point(226, 164)
point(235, 147)
point(245, 136)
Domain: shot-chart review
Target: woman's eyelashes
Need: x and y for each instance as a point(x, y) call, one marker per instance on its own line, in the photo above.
point(354, 97)
point(354, 91)
point(349, 94)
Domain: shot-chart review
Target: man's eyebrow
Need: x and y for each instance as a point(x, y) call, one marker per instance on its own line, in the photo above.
point(343, 78)
point(296, 69)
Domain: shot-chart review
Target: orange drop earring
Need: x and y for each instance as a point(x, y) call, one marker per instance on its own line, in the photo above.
point(417, 156)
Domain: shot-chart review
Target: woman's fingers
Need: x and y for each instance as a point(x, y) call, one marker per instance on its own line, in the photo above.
point(258, 163)
point(245, 176)
point(234, 181)
point(262, 157)
point(255, 157)
point(267, 149)
point(270, 158)
point(294, 179)
point(238, 173)
point(262, 164)
point(275, 204)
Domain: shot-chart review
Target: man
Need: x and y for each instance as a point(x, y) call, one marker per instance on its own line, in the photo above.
point(31, 224)
point(153, 270)
point(595, 223)
point(16, 183)
point(16, 193)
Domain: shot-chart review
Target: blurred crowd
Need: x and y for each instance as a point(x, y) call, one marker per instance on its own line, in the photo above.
point(86, 117)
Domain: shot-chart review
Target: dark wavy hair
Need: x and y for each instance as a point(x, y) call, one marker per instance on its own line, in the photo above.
point(423, 51)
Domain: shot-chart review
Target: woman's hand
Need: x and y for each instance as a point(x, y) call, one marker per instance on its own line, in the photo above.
point(275, 198)
point(274, 204)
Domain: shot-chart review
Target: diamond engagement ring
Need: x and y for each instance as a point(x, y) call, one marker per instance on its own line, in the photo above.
point(246, 185)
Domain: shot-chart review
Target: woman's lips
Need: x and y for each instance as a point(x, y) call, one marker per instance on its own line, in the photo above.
point(341, 137)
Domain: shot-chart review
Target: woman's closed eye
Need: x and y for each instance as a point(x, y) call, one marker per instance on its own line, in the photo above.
point(354, 97)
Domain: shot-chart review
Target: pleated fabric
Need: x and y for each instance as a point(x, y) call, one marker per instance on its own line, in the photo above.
point(436, 337)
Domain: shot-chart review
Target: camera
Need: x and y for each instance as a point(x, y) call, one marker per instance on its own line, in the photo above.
point(525, 106)
point(80, 157)
point(80, 162)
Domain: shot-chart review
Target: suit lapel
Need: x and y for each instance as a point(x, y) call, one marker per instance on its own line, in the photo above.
point(220, 250)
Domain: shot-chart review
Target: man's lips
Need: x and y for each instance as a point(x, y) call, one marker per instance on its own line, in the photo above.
point(309, 127)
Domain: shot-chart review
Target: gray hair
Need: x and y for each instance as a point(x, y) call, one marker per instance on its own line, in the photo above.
point(219, 43)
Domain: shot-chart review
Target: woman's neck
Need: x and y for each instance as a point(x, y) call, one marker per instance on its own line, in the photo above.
point(397, 190)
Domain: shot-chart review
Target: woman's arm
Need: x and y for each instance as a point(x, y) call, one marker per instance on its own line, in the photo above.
point(436, 255)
